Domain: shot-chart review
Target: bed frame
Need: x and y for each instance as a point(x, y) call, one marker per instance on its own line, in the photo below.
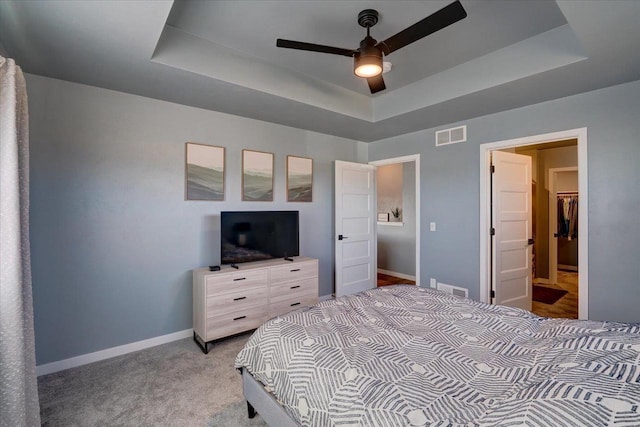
point(261, 401)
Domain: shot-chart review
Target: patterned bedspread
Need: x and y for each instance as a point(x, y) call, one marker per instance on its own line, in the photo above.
point(408, 356)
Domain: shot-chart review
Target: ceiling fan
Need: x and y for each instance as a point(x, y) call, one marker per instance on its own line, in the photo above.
point(367, 59)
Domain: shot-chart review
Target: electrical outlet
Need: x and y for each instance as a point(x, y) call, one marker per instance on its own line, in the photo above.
point(432, 282)
point(432, 226)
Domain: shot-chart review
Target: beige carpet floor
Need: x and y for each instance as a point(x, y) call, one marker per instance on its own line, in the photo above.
point(173, 384)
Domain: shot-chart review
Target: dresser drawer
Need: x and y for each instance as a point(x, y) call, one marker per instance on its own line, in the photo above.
point(238, 281)
point(295, 289)
point(288, 305)
point(294, 271)
point(233, 323)
point(218, 305)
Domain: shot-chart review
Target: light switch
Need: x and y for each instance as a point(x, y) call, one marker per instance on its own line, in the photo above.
point(432, 282)
point(432, 226)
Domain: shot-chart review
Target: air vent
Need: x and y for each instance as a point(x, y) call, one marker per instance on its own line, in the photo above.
point(451, 136)
point(453, 290)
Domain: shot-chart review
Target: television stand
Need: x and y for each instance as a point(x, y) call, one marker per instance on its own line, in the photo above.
point(229, 301)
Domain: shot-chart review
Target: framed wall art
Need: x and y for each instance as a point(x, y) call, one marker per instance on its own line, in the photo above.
point(299, 179)
point(204, 172)
point(257, 176)
point(383, 217)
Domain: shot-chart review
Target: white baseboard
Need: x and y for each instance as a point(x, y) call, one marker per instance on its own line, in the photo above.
point(84, 359)
point(542, 280)
point(400, 275)
point(567, 267)
point(326, 297)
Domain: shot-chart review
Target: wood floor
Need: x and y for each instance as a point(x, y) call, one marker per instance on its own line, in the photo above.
point(565, 307)
point(386, 280)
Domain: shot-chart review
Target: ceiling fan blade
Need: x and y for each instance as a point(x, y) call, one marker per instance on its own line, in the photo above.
point(429, 25)
point(376, 84)
point(291, 44)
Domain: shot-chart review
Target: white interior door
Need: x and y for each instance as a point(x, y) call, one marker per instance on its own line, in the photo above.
point(511, 215)
point(355, 230)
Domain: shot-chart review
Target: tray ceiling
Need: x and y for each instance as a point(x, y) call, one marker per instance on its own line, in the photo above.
point(221, 55)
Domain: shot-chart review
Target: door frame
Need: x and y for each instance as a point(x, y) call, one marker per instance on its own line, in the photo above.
point(583, 209)
point(553, 222)
point(405, 159)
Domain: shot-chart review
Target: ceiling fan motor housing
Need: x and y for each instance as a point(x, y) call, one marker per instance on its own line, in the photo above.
point(367, 54)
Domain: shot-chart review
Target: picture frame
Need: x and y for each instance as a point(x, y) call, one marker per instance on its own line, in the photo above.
point(204, 172)
point(299, 179)
point(257, 176)
point(383, 217)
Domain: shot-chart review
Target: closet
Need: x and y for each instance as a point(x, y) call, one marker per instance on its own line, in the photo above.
point(567, 231)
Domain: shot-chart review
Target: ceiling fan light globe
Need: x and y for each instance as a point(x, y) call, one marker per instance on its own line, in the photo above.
point(367, 65)
point(368, 70)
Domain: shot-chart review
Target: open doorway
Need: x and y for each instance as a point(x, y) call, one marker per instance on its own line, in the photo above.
point(552, 154)
point(398, 225)
point(554, 223)
point(564, 202)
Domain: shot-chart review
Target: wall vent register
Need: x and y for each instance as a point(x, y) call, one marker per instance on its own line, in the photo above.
point(453, 290)
point(451, 136)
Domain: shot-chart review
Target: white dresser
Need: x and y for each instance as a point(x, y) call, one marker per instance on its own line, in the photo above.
point(231, 301)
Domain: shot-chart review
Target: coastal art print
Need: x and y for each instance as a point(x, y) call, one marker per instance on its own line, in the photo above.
point(204, 172)
point(299, 179)
point(257, 176)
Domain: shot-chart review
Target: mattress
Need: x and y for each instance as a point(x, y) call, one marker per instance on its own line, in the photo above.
point(409, 356)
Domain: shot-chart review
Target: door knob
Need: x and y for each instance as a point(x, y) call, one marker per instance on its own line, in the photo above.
point(341, 237)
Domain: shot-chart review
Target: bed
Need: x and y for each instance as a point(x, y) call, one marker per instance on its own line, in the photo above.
point(408, 356)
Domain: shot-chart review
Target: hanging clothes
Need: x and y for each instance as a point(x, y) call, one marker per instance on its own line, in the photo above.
point(568, 215)
point(573, 218)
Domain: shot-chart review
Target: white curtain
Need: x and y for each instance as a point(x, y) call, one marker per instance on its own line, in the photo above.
point(19, 388)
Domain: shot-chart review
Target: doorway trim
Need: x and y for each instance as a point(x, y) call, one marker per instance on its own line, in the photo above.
point(583, 209)
point(406, 159)
point(553, 222)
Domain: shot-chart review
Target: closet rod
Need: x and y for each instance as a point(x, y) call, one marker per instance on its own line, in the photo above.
point(566, 192)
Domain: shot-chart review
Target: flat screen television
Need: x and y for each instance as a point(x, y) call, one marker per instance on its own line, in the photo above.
point(258, 235)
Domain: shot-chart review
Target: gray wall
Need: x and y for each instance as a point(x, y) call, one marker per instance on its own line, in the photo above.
point(397, 245)
point(389, 189)
point(113, 241)
point(450, 191)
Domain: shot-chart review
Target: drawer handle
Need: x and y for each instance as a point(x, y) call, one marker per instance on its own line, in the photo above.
point(239, 298)
point(294, 287)
point(295, 269)
point(241, 278)
point(294, 304)
point(238, 318)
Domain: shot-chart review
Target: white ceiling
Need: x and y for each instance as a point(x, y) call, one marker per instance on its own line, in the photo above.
point(221, 55)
